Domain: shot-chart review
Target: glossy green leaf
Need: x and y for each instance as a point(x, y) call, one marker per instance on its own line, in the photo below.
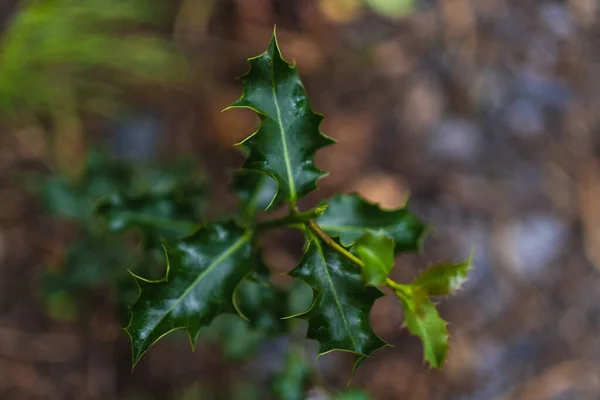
point(376, 250)
point(350, 217)
point(443, 279)
point(203, 271)
point(422, 320)
point(284, 145)
point(168, 217)
point(339, 316)
point(255, 190)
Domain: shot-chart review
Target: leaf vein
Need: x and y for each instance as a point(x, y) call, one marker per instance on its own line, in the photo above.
point(226, 254)
point(286, 155)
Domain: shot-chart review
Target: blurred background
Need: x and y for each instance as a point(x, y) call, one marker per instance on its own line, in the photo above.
point(484, 112)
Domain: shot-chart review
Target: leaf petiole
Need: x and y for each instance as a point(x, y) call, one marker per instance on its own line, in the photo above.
point(400, 289)
point(332, 243)
point(292, 219)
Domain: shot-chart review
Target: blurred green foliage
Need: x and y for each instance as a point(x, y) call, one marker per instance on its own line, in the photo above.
point(82, 54)
point(98, 258)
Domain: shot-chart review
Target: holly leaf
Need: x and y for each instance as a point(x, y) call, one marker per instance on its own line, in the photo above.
point(422, 320)
point(376, 250)
point(255, 190)
point(350, 217)
point(443, 279)
point(203, 271)
point(284, 145)
point(339, 315)
point(168, 217)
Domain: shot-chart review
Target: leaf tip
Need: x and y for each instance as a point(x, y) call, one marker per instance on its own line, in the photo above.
point(234, 301)
point(192, 340)
point(320, 210)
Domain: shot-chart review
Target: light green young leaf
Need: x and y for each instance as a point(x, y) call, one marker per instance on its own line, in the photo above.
point(339, 316)
point(443, 279)
point(376, 250)
point(349, 216)
point(422, 320)
point(203, 271)
point(284, 145)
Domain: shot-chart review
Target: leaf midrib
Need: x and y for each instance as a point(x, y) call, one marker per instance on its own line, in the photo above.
point(335, 295)
point(426, 337)
point(226, 254)
point(286, 155)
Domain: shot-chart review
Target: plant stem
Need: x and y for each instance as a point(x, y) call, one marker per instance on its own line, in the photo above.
point(399, 288)
point(294, 218)
point(327, 239)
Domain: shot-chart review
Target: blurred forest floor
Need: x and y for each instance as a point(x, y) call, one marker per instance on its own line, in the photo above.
point(486, 112)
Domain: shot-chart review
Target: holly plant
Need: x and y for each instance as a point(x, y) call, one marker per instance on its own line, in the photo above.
point(350, 243)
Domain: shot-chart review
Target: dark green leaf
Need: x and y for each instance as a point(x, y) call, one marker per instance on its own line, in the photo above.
point(203, 271)
point(156, 216)
point(255, 190)
point(443, 279)
point(285, 144)
point(376, 250)
point(350, 216)
point(422, 320)
point(339, 316)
